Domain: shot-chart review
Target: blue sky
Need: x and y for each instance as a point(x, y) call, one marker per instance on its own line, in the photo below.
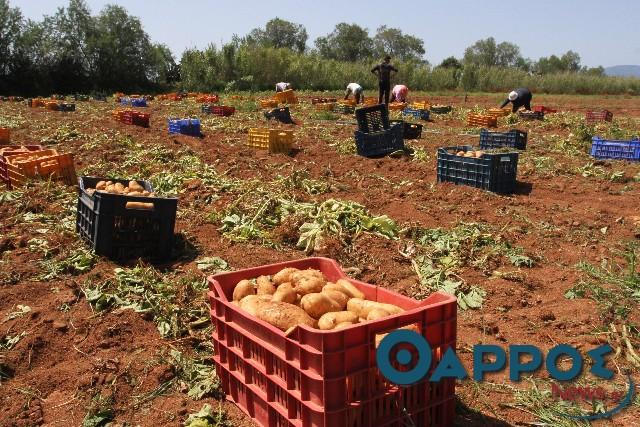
point(602, 32)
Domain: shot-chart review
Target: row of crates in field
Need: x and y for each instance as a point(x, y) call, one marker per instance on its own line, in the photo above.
point(50, 105)
point(132, 117)
point(21, 163)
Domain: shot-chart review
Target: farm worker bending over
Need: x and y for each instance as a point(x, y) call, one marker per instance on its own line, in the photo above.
point(383, 71)
point(399, 93)
point(519, 98)
point(282, 86)
point(356, 90)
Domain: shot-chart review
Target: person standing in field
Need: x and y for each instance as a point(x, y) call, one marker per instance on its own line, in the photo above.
point(282, 86)
point(520, 97)
point(383, 71)
point(356, 90)
point(399, 93)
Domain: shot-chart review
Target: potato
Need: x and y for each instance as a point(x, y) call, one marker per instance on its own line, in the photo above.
point(351, 290)
point(343, 325)
point(330, 320)
point(265, 286)
point(134, 193)
point(145, 193)
point(469, 154)
point(377, 313)
point(251, 304)
point(108, 183)
point(309, 285)
point(303, 274)
point(316, 304)
point(337, 296)
point(283, 316)
point(134, 186)
point(363, 307)
point(126, 190)
point(110, 189)
point(242, 289)
point(139, 205)
point(118, 187)
point(479, 154)
point(285, 293)
point(284, 275)
point(101, 185)
point(460, 153)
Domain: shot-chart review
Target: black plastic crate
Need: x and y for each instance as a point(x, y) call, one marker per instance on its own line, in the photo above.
point(66, 107)
point(373, 119)
point(440, 109)
point(117, 232)
point(492, 171)
point(514, 139)
point(531, 115)
point(380, 143)
point(344, 109)
point(410, 130)
point(283, 115)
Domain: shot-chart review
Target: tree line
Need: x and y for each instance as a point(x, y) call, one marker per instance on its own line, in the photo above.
point(74, 51)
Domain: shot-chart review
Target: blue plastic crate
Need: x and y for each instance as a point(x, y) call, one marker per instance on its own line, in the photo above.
point(134, 102)
point(492, 171)
point(189, 127)
point(380, 143)
point(414, 112)
point(513, 139)
point(611, 149)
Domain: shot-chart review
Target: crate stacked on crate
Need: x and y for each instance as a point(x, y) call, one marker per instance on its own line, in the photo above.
point(615, 149)
point(513, 139)
point(207, 99)
point(20, 164)
point(481, 120)
point(462, 165)
point(273, 140)
point(498, 112)
point(375, 135)
point(5, 136)
point(397, 106)
point(283, 115)
point(323, 100)
point(531, 115)
point(598, 116)
point(543, 109)
point(218, 110)
point(409, 130)
point(125, 226)
point(190, 127)
point(440, 109)
point(286, 97)
point(326, 378)
point(421, 114)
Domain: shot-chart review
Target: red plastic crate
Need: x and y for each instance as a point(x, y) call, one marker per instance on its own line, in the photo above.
point(543, 109)
point(327, 378)
point(12, 150)
point(221, 110)
point(598, 116)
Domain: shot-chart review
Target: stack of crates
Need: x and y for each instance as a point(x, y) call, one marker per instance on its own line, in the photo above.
point(274, 140)
point(598, 116)
point(481, 120)
point(190, 127)
point(286, 97)
point(123, 227)
point(20, 164)
point(375, 135)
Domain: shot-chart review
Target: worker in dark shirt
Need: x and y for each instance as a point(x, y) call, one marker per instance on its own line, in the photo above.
point(520, 97)
point(383, 71)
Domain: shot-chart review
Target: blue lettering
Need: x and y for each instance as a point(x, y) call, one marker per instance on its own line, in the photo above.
point(552, 359)
point(449, 367)
point(516, 367)
point(598, 368)
point(480, 367)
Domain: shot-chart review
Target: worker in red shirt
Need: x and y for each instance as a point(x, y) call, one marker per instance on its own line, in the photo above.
point(399, 93)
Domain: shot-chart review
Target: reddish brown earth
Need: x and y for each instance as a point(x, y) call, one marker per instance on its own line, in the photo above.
point(66, 357)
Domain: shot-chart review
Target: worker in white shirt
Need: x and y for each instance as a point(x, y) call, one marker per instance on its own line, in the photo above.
point(356, 90)
point(282, 86)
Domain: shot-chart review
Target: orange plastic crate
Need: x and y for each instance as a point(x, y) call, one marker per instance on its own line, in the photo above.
point(370, 101)
point(51, 105)
point(481, 120)
point(12, 150)
point(397, 106)
point(498, 112)
point(326, 106)
point(422, 105)
point(268, 103)
point(274, 140)
point(286, 97)
point(5, 136)
point(45, 164)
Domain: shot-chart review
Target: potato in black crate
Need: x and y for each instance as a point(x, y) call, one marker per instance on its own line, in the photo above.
point(513, 139)
point(411, 130)
point(123, 227)
point(494, 172)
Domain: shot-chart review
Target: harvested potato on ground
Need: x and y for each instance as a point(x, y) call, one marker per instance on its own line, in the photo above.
point(330, 320)
point(284, 275)
point(317, 304)
point(363, 307)
point(285, 293)
point(242, 289)
point(377, 313)
point(134, 186)
point(337, 296)
point(308, 284)
point(352, 291)
point(283, 316)
point(265, 286)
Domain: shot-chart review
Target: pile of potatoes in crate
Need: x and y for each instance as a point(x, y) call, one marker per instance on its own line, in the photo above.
point(132, 189)
point(295, 297)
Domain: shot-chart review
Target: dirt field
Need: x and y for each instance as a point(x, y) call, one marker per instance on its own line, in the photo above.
point(552, 263)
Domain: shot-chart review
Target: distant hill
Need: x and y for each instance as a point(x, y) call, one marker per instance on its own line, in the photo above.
point(623, 70)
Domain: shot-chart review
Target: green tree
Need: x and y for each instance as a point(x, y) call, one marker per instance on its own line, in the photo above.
point(391, 41)
point(279, 33)
point(569, 62)
point(451, 62)
point(489, 54)
point(347, 42)
point(10, 29)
